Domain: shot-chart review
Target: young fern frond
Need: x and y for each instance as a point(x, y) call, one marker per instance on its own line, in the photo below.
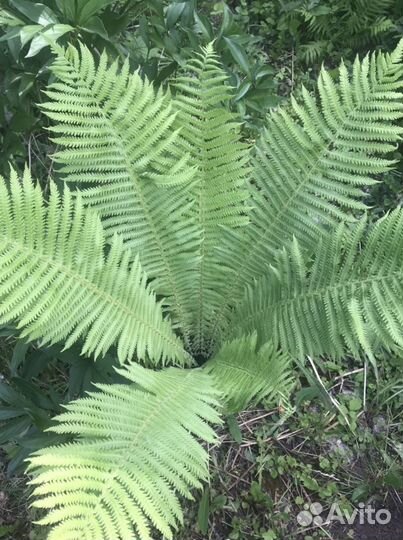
point(57, 283)
point(123, 475)
point(311, 168)
point(246, 375)
point(349, 298)
point(118, 143)
point(212, 138)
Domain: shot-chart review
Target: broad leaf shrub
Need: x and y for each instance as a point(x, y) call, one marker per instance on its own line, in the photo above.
point(158, 36)
point(174, 243)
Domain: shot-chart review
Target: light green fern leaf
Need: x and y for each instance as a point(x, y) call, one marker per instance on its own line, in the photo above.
point(117, 142)
point(136, 453)
point(57, 283)
point(247, 375)
point(349, 298)
point(311, 168)
point(212, 138)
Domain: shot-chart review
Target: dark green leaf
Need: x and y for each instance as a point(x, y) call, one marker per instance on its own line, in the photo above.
point(11, 34)
point(6, 413)
point(9, 395)
point(307, 394)
point(394, 478)
point(234, 429)
point(35, 12)
point(239, 55)
point(204, 511)
point(34, 394)
point(242, 90)
point(203, 25)
point(88, 8)
point(227, 21)
point(53, 33)
point(173, 13)
point(19, 353)
point(143, 30)
point(14, 429)
point(166, 72)
point(96, 26)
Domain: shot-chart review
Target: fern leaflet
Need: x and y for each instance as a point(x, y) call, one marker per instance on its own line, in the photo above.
point(212, 137)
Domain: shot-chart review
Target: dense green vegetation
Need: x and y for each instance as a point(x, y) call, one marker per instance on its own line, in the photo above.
point(186, 212)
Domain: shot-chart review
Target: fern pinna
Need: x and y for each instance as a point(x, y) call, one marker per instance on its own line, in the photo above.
point(204, 264)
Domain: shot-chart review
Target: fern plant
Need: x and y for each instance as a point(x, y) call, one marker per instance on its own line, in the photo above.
point(205, 265)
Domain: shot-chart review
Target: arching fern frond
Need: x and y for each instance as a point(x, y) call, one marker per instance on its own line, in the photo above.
point(349, 298)
point(313, 51)
point(360, 22)
point(212, 137)
point(311, 168)
point(136, 452)
point(57, 283)
point(375, 8)
point(246, 374)
point(117, 142)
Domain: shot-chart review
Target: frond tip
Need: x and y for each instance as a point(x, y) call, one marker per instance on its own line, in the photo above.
point(57, 282)
point(136, 451)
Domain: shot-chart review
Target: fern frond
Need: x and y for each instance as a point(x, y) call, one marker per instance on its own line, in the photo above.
point(57, 283)
point(212, 137)
point(359, 22)
point(311, 170)
point(119, 145)
point(245, 374)
point(136, 451)
point(373, 9)
point(318, 25)
point(371, 32)
point(313, 51)
point(349, 298)
point(380, 26)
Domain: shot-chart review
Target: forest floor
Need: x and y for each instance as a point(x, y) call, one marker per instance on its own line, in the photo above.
point(246, 502)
